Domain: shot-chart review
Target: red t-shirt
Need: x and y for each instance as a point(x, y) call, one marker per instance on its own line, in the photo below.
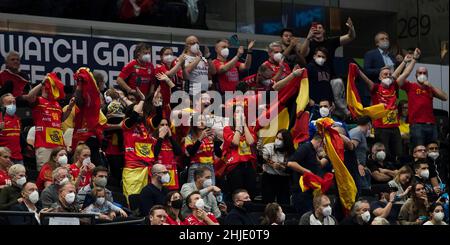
point(420, 103)
point(75, 171)
point(237, 154)
point(3, 177)
point(10, 135)
point(274, 67)
point(113, 147)
point(254, 85)
point(139, 146)
point(228, 80)
point(18, 81)
point(387, 96)
point(134, 70)
point(192, 220)
point(44, 175)
point(170, 221)
point(204, 154)
point(47, 115)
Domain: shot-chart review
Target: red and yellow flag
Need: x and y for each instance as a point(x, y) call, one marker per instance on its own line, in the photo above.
point(334, 147)
point(54, 86)
point(296, 120)
point(320, 185)
point(354, 101)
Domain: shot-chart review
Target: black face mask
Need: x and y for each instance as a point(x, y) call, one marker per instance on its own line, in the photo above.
point(247, 205)
point(177, 204)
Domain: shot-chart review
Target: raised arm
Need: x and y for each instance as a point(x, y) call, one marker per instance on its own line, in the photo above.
point(351, 35)
point(248, 58)
point(369, 82)
point(177, 66)
point(232, 63)
point(280, 84)
point(401, 79)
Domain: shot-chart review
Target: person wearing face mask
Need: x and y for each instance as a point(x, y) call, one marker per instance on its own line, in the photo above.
point(240, 212)
point(437, 215)
point(325, 108)
point(58, 158)
point(199, 216)
point(139, 145)
point(387, 128)
point(81, 169)
point(423, 175)
point(204, 185)
point(10, 195)
point(66, 202)
point(228, 70)
point(382, 171)
point(5, 163)
point(10, 127)
point(155, 192)
point(384, 206)
point(321, 214)
point(420, 104)
point(402, 182)
point(360, 214)
point(319, 77)
point(139, 73)
point(60, 176)
point(379, 57)
point(305, 159)
point(276, 63)
point(197, 67)
point(438, 163)
point(174, 203)
point(105, 209)
point(273, 215)
point(99, 179)
point(415, 210)
point(275, 181)
point(30, 203)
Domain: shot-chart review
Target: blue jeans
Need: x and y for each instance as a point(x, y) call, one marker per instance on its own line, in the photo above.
point(421, 134)
point(195, 166)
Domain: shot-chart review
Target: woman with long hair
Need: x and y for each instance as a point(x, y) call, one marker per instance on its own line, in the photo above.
point(402, 181)
point(415, 210)
point(174, 203)
point(58, 158)
point(273, 215)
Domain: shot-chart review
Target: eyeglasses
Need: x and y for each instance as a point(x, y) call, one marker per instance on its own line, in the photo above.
point(421, 150)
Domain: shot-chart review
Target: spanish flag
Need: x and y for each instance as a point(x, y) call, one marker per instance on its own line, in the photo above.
point(354, 102)
point(310, 181)
point(88, 115)
point(291, 104)
point(334, 147)
point(54, 86)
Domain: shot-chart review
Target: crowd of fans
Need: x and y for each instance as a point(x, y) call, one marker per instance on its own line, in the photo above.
point(136, 163)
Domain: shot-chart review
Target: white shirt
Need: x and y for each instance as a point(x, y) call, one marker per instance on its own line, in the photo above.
point(198, 77)
point(387, 60)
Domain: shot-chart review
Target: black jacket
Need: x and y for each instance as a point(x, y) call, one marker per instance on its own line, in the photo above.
point(23, 220)
point(239, 216)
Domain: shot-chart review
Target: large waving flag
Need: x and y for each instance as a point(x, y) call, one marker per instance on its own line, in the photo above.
point(88, 115)
point(354, 102)
point(310, 181)
point(291, 104)
point(54, 86)
point(334, 147)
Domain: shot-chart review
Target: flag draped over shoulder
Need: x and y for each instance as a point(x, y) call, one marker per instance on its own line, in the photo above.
point(54, 86)
point(88, 115)
point(334, 147)
point(354, 102)
point(320, 185)
point(295, 120)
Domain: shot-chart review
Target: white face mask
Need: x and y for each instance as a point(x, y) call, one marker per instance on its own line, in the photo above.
point(195, 48)
point(225, 52)
point(70, 197)
point(324, 112)
point(278, 143)
point(282, 217)
point(207, 183)
point(62, 160)
point(86, 161)
point(422, 78)
point(320, 61)
point(433, 155)
point(425, 174)
point(278, 57)
point(11, 109)
point(386, 81)
point(438, 217)
point(165, 178)
point(381, 155)
point(100, 201)
point(266, 82)
point(21, 181)
point(200, 204)
point(108, 99)
point(34, 197)
point(168, 59)
point(147, 58)
point(63, 181)
point(327, 211)
point(365, 216)
point(384, 45)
